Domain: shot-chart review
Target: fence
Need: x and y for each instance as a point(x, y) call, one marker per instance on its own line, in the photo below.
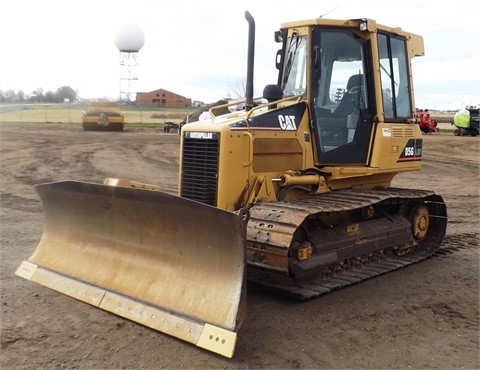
point(72, 113)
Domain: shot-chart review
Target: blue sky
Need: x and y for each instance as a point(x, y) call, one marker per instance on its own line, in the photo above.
point(198, 48)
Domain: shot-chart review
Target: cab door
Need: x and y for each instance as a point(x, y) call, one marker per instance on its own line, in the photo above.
point(342, 114)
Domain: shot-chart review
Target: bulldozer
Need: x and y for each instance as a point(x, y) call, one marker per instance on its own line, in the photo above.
point(103, 115)
point(293, 194)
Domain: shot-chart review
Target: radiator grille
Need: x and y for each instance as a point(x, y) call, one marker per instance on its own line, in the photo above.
point(200, 167)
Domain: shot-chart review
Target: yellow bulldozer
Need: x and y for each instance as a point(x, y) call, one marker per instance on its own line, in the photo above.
point(293, 194)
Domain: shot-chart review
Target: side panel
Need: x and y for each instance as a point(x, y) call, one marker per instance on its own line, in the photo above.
point(397, 146)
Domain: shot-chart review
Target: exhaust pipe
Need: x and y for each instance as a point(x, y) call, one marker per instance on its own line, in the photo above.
point(250, 61)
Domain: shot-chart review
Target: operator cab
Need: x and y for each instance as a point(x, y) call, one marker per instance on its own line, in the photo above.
point(335, 70)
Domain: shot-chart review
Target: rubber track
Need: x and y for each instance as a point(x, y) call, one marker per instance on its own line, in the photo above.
point(338, 201)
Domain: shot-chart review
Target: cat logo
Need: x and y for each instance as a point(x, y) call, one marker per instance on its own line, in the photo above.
point(287, 122)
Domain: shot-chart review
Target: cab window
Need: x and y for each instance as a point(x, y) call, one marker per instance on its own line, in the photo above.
point(394, 77)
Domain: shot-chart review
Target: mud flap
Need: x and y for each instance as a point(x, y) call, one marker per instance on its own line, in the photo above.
point(171, 264)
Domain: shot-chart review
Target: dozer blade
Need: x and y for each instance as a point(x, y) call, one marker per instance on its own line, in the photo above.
point(172, 264)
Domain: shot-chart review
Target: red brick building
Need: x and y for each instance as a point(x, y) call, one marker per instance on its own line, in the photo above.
point(162, 98)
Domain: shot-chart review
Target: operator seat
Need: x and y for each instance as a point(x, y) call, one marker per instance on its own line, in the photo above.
point(350, 99)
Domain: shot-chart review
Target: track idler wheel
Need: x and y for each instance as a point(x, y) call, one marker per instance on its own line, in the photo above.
point(420, 220)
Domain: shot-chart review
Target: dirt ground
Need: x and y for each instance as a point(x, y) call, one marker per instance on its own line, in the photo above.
point(422, 316)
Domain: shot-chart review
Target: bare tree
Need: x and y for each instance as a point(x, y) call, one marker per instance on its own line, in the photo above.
point(37, 95)
point(239, 88)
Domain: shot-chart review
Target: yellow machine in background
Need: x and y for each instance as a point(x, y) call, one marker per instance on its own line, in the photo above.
point(103, 115)
point(293, 193)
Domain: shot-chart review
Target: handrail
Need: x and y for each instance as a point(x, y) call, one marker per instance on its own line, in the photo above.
point(296, 98)
point(276, 102)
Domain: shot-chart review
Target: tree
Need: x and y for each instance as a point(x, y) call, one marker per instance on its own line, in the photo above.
point(37, 96)
point(239, 88)
point(50, 97)
point(65, 92)
point(10, 96)
point(338, 95)
point(20, 96)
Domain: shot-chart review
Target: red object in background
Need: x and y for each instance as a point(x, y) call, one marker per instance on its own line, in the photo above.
point(427, 124)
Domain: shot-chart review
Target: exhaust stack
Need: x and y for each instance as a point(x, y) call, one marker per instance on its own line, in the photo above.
point(250, 61)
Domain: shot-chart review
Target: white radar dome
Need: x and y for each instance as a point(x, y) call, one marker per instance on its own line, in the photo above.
point(130, 38)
